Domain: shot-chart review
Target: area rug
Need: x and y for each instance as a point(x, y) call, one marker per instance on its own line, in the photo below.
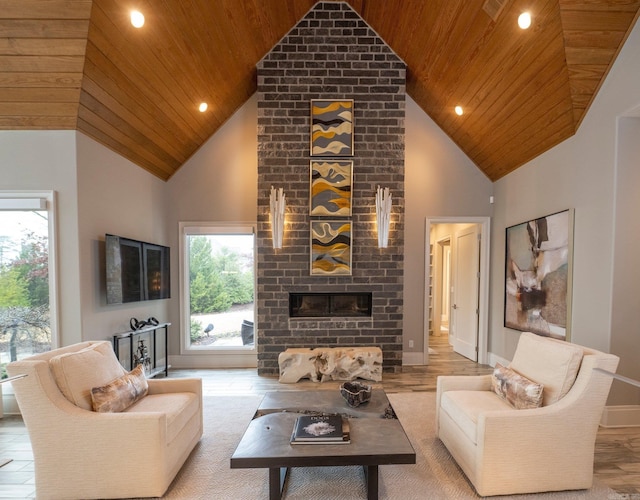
point(207, 475)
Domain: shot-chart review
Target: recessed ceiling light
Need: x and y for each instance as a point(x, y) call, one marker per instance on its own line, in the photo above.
point(203, 107)
point(524, 20)
point(137, 19)
point(459, 110)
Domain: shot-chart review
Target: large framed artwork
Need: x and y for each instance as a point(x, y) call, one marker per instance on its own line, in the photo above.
point(538, 275)
point(331, 188)
point(331, 247)
point(331, 127)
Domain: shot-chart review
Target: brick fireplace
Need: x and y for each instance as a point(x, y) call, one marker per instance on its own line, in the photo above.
point(330, 54)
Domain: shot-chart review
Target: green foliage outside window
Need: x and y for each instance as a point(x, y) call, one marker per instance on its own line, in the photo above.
point(24, 299)
point(13, 291)
point(218, 279)
point(195, 330)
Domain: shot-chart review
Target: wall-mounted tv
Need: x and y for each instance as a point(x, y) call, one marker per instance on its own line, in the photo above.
point(136, 270)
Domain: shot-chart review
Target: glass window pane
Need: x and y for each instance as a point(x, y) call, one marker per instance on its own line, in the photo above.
point(221, 290)
point(25, 326)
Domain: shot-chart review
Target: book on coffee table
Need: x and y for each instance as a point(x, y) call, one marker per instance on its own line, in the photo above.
point(320, 429)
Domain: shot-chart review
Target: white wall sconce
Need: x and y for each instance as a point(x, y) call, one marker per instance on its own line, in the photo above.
point(277, 203)
point(383, 215)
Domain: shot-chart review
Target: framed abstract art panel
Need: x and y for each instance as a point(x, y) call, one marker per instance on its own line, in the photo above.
point(330, 188)
point(331, 247)
point(538, 275)
point(331, 127)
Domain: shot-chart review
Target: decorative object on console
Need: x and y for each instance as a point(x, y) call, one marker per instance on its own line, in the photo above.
point(538, 275)
point(277, 203)
point(141, 356)
point(137, 324)
point(331, 247)
point(355, 393)
point(330, 363)
point(331, 183)
point(331, 127)
point(383, 215)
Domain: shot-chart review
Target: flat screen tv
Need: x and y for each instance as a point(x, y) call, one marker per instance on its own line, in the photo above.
point(136, 270)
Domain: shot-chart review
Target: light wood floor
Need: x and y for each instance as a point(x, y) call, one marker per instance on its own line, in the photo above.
point(617, 458)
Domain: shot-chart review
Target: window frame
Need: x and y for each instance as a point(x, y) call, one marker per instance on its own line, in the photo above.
point(20, 201)
point(209, 228)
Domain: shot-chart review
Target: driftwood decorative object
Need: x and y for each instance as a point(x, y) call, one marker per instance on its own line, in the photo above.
point(330, 363)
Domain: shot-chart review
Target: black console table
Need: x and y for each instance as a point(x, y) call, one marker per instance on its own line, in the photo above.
point(147, 346)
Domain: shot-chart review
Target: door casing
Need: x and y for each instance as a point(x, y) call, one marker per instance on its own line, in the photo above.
point(483, 316)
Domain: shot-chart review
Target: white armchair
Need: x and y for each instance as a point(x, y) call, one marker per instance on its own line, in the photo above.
point(80, 453)
point(505, 451)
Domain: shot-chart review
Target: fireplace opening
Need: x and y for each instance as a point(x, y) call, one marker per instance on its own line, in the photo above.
point(306, 305)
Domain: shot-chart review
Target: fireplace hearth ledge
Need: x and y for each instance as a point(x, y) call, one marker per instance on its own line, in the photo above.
point(330, 363)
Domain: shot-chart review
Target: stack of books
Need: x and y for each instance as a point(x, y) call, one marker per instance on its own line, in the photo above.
point(320, 429)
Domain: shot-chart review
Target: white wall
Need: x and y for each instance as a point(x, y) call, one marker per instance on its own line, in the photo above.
point(45, 160)
point(625, 329)
point(217, 184)
point(579, 173)
point(117, 197)
point(440, 181)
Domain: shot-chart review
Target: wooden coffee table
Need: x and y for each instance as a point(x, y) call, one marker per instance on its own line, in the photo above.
point(375, 440)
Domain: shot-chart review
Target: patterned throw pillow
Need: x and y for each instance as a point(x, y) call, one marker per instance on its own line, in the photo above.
point(518, 391)
point(121, 393)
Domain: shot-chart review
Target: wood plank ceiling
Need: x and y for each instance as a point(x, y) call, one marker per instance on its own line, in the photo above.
point(79, 64)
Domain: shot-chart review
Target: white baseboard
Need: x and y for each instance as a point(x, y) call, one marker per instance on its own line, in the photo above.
point(621, 416)
point(494, 358)
point(412, 358)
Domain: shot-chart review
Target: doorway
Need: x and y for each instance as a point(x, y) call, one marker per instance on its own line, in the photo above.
point(456, 284)
point(441, 314)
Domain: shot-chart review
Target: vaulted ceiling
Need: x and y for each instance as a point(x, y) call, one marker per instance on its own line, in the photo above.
point(79, 64)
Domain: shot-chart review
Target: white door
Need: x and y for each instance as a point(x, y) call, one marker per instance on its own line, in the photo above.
point(466, 279)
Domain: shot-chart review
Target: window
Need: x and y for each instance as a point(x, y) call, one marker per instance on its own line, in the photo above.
point(217, 287)
point(27, 275)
